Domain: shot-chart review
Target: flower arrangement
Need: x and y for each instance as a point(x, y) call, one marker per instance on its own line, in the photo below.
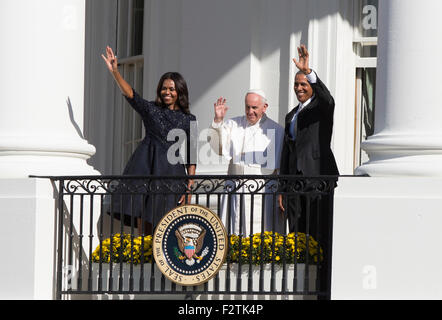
point(271, 247)
point(255, 250)
point(125, 248)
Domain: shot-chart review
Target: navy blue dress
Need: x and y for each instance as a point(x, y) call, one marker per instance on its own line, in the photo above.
point(153, 198)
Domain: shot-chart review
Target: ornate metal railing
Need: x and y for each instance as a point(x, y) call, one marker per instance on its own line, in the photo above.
point(100, 251)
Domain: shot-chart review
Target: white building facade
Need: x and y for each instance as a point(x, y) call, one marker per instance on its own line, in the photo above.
point(224, 49)
point(61, 114)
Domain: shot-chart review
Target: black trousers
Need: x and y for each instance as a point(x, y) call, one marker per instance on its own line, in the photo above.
point(313, 215)
point(309, 214)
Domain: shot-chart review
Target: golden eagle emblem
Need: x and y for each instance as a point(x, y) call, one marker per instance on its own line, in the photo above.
point(190, 242)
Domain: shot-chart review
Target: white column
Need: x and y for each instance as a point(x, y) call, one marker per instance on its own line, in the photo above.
point(41, 123)
point(408, 124)
point(41, 105)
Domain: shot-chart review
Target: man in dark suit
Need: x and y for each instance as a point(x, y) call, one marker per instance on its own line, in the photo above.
point(308, 131)
point(306, 152)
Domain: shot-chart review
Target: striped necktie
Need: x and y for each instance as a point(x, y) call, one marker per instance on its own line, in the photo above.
point(293, 124)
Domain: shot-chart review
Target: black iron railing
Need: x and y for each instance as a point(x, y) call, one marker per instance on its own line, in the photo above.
point(101, 250)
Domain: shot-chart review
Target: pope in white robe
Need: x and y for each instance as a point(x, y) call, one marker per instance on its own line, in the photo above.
point(252, 144)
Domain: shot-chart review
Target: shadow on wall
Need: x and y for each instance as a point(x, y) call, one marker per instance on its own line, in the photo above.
point(217, 39)
point(71, 117)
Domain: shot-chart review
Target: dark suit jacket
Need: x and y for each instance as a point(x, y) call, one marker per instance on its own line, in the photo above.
point(310, 153)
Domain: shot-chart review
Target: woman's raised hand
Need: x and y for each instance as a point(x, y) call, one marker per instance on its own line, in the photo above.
point(110, 59)
point(220, 109)
point(112, 65)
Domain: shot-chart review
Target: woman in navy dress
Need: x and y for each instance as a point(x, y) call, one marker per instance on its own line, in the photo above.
point(170, 111)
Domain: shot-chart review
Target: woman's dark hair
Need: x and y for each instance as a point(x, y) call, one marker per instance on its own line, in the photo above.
point(180, 87)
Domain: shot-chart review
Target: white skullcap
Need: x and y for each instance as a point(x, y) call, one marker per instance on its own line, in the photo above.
point(258, 92)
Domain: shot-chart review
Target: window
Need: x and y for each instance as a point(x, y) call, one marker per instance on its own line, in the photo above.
point(128, 126)
point(365, 49)
point(365, 108)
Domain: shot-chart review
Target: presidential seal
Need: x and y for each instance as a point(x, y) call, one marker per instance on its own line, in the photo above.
point(190, 245)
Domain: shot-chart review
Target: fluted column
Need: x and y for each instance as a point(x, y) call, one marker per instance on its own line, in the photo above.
point(41, 105)
point(408, 123)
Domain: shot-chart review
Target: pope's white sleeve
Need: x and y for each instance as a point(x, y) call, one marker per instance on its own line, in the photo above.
point(219, 134)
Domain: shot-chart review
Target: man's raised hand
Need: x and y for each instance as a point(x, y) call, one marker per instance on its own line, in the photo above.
point(303, 62)
point(220, 108)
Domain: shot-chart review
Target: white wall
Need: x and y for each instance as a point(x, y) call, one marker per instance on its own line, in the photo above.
point(29, 237)
point(100, 90)
point(386, 239)
point(27, 240)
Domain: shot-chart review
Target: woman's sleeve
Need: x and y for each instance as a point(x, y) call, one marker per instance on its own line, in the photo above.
point(140, 105)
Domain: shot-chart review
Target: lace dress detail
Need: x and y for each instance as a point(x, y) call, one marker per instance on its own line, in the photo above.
point(150, 159)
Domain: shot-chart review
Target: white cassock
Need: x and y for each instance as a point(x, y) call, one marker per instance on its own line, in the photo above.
point(251, 150)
